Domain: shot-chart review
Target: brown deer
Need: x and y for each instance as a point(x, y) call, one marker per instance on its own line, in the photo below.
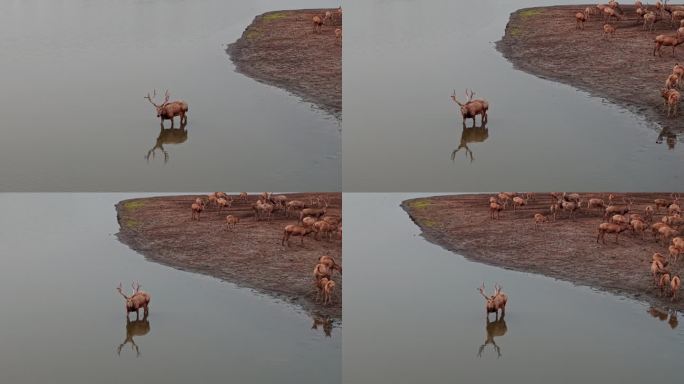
point(168, 136)
point(580, 19)
point(295, 230)
point(608, 30)
point(330, 262)
point(313, 212)
point(495, 302)
point(675, 283)
point(167, 110)
point(667, 41)
point(494, 329)
point(649, 21)
point(495, 209)
point(232, 221)
point(539, 219)
point(317, 24)
point(140, 327)
point(196, 211)
point(672, 81)
point(671, 101)
point(472, 108)
point(139, 299)
point(610, 228)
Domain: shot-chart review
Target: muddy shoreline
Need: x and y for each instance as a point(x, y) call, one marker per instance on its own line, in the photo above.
point(279, 48)
point(543, 41)
point(565, 249)
point(251, 256)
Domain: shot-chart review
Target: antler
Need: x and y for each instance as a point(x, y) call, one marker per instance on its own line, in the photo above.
point(481, 289)
point(167, 95)
point(497, 288)
point(121, 291)
point(453, 97)
point(470, 95)
point(148, 97)
point(136, 287)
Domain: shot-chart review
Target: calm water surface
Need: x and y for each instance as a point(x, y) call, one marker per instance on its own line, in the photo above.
point(413, 315)
point(74, 118)
point(403, 59)
point(63, 321)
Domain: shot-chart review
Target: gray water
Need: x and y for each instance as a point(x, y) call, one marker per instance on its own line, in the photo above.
point(412, 315)
point(402, 61)
point(74, 74)
point(62, 320)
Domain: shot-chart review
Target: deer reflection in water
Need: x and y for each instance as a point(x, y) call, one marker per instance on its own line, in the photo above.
point(168, 136)
point(669, 137)
point(325, 323)
point(662, 315)
point(494, 329)
point(472, 134)
point(139, 327)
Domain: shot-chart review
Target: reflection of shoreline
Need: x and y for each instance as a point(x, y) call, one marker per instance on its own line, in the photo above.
point(296, 64)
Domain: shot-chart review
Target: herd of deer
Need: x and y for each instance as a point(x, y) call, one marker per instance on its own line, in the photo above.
point(661, 11)
point(617, 218)
point(331, 17)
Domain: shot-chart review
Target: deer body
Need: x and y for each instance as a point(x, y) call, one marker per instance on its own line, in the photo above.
point(167, 110)
point(472, 108)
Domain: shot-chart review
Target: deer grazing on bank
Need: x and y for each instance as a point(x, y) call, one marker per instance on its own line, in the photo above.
point(317, 24)
point(472, 108)
point(539, 219)
point(197, 208)
point(330, 262)
point(313, 212)
point(231, 222)
point(295, 230)
point(495, 302)
point(675, 283)
point(610, 228)
point(167, 110)
point(580, 19)
point(495, 209)
point(672, 81)
point(326, 289)
point(671, 101)
point(667, 41)
point(139, 299)
point(608, 31)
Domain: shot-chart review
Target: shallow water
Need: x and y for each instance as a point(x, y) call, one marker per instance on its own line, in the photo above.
point(402, 61)
point(412, 314)
point(74, 118)
point(63, 321)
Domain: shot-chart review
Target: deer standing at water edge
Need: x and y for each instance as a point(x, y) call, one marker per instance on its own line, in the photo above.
point(472, 108)
point(167, 110)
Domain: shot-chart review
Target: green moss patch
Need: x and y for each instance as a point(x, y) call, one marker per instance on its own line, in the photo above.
point(133, 205)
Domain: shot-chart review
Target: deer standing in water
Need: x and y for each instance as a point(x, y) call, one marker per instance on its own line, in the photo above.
point(139, 299)
point(472, 108)
point(140, 327)
point(494, 329)
point(495, 302)
point(167, 110)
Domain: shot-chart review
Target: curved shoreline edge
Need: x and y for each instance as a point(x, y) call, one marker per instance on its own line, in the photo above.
point(543, 42)
point(279, 49)
point(620, 270)
point(159, 228)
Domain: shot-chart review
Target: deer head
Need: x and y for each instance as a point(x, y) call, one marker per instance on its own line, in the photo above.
point(159, 107)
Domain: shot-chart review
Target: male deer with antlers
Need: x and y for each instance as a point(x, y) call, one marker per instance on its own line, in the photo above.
point(139, 299)
point(167, 110)
point(495, 302)
point(472, 108)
